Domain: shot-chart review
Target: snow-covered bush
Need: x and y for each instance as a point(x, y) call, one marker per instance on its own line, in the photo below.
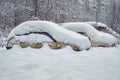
point(91, 32)
point(57, 32)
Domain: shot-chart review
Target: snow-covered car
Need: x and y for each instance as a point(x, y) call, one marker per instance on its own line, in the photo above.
point(96, 37)
point(104, 28)
point(36, 33)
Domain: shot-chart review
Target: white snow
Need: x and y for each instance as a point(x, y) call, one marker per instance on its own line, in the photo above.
point(33, 38)
point(91, 32)
point(106, 29)
point(105, 38)
point(56, 31)
point(2, 41)
point(98, 24)
point(64, 64)
point(80, 27)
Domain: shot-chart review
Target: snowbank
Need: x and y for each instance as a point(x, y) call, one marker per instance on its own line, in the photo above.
point(91, 32)
point(57, 32)
point(63, 64)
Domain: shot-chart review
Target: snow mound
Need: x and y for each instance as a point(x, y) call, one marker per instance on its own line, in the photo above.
point(59, 33)
point(91, 32)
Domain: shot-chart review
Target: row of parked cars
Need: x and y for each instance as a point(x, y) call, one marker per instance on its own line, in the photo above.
point(78, 35)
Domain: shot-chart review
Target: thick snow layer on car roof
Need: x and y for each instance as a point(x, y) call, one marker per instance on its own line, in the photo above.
point(57, 32)
point(96, 24)
point(80, 27)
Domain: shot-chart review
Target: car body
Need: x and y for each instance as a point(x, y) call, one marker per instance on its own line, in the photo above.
point(97, 38)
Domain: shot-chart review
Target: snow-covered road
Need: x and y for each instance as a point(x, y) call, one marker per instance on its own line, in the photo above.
point(63, 64)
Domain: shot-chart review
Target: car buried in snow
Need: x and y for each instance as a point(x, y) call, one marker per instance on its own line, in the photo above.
point(97, 38)
point(36, 33)
point(103, 28)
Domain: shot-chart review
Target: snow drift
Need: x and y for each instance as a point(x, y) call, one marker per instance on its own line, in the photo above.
point(64, 64)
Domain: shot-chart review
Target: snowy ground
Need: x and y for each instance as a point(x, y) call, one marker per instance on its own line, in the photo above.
point(63, 64)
